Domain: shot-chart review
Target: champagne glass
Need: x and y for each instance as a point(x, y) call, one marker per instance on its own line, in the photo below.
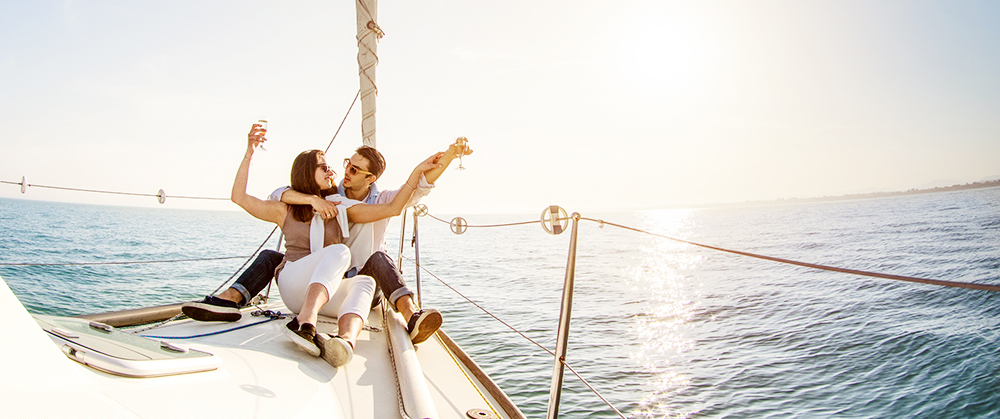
point(263, 131)
point(461, 142)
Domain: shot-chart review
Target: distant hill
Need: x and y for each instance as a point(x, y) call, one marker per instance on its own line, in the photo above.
point(975, 185)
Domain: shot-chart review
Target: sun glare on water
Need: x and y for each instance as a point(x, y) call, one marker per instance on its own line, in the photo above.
point(673, 298)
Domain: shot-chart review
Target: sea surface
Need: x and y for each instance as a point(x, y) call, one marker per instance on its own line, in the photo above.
point(660, 328)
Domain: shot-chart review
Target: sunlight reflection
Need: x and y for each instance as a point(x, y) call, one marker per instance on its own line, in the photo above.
point(672, 302)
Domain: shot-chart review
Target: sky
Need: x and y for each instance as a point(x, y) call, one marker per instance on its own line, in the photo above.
point(590, 105)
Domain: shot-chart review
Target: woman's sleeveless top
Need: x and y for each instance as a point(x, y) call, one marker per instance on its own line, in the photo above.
point(297, 237)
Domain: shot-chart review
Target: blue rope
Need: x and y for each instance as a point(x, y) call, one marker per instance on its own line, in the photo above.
point(279, 316)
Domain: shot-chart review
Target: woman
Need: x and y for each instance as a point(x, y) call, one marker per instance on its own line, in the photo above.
point(311, 276)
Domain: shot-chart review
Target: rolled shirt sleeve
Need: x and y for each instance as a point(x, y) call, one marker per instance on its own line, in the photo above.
point(276, 195)
point(423, 189)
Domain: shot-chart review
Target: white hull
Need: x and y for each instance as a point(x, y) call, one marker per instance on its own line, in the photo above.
point(260, 374)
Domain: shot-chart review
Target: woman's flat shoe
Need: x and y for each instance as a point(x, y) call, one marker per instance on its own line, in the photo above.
point(335, 350)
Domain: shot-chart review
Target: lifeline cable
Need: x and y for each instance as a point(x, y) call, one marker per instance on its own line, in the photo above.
point(247, 261)
point(120, 263)
point(486, 225)
point(181, 197)
point(107, 192)
point(968, 285)
point(939, 282)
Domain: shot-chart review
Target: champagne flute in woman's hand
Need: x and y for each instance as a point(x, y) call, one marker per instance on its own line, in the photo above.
point(263, 131)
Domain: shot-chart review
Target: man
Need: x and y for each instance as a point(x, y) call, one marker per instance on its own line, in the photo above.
point(362, 170)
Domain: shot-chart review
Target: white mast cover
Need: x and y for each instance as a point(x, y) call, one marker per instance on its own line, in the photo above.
point(368, 35)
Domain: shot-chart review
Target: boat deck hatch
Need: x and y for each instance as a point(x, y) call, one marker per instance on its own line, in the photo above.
point(110, 350)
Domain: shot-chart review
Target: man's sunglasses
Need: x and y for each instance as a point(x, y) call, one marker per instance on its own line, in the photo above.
point(353, 170)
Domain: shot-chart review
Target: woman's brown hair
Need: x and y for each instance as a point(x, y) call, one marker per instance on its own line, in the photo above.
point(303, 179)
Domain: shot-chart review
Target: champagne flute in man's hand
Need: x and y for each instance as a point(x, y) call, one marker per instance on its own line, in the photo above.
point(461, 142)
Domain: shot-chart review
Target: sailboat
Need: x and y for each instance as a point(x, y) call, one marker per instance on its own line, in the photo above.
point(93, 366)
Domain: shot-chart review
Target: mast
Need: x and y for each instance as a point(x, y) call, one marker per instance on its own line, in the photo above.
point(368, 35)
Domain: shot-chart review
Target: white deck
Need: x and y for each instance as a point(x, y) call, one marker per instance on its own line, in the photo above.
point(262, 375)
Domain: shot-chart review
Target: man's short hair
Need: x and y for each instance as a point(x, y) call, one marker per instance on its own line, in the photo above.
point(376, 163)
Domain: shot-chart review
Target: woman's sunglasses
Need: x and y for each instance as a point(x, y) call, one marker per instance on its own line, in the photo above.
point(326, 168)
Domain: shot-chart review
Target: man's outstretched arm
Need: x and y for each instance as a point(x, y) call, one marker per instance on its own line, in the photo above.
point(454, 150)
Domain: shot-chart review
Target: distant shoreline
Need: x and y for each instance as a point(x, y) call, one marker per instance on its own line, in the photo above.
point(973, 185)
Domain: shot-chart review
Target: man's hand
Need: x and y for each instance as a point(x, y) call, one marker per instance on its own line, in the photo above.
point(325, 209)
point(460, 147)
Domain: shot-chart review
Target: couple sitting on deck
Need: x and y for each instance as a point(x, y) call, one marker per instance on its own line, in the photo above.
point(335, 262)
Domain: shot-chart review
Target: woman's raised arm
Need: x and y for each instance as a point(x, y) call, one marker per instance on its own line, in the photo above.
point(272, 211)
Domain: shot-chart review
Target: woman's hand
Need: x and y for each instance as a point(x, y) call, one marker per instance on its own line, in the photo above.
point(272, 211)
point(430, 163)
point(256, 136)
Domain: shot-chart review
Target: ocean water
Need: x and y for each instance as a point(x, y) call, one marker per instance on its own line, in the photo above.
point(662, 329)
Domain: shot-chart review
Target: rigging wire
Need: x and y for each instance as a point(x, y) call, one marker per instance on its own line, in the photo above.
point(592, 389)
point(342, 121)
point(276, 227)
point(419, 266)
point(563, 361)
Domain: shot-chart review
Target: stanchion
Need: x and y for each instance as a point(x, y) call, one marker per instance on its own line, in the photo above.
point(555, 391)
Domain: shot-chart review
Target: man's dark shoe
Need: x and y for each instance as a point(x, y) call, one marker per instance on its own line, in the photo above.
point(303, 336)
point(423, 324)
point(212, 309)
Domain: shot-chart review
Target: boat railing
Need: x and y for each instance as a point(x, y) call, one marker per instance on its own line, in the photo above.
point(554, 220)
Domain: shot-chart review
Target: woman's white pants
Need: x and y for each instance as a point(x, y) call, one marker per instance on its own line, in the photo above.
point(327, 267)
